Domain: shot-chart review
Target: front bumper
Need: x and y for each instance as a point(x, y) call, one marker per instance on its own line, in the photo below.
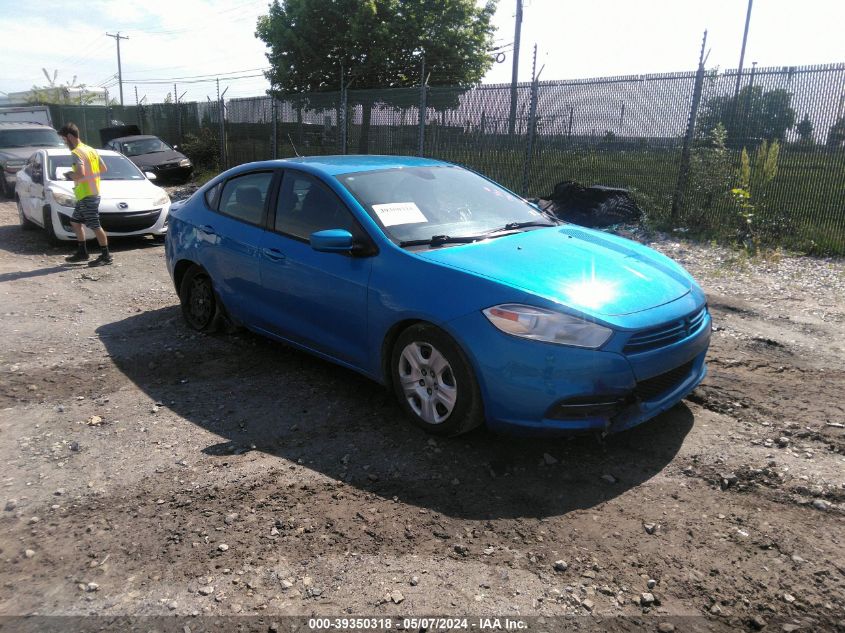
point(148, 222)
point(534, 388)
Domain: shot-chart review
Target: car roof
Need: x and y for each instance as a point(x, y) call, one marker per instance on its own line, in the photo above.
point(347, 164)
point(27, 125)
point(136, 137)
point(58, 151)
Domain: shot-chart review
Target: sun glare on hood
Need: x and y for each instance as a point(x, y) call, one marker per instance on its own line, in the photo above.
point(591, 292)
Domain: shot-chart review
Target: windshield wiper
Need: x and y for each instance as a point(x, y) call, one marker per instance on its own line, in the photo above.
point(439, 240)
point(514, 226)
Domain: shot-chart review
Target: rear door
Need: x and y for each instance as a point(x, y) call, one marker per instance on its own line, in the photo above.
point(230, 236)
point(316, 299)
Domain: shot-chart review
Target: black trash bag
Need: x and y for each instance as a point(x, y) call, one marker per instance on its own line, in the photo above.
point(595, 207)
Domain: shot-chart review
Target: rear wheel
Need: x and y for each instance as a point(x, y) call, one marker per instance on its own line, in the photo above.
point(199, 304)
point(25, 222)
point(434, 383)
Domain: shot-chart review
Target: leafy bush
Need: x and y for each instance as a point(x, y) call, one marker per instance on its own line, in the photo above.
point(203, 149)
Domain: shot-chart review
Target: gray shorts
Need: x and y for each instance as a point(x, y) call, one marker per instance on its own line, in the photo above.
point(87, 212)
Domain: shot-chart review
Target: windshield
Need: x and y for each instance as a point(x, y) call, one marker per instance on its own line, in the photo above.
point(119, 168)
point(420, 203)
point(145, 146)
point(46, 137)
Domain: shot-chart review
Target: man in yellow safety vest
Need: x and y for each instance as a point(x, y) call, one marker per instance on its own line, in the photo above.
point(87, 167)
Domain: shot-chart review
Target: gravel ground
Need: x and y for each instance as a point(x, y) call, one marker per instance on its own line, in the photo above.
point(148, 470)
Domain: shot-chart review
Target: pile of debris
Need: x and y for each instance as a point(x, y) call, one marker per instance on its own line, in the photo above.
point(595, 207)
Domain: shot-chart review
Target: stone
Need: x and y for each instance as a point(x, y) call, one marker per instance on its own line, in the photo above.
point(561, 565)
point(206, 590)
point(29, 553)
point(650, 528)
point(34, 520)
point(646, 599)
point(789, 598)
point(92, 586)
point(652, 583)
point(172, 605)
point(414, 581)
point(821, 504)
point(230, 518)
point(548, 459)
point(11, 504)
point(461, 549)
point(783, 442)
point(758, 623)
point(666, 627)
point(609, 478)
point(223, 547)
point(728, 480)
point(716, 609)
point(588, 604)
point(396, 596)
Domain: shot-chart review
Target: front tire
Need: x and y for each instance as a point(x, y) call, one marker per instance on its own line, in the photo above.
point(199, 303)
point(49, 231)
point(26, 223)
point(434, 382)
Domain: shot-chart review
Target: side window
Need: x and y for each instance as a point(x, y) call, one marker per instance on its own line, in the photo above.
point(306, 205)
point(212, 194)
point(243, 197)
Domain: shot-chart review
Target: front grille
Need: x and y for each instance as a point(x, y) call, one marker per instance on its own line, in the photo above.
point(654, 387)
point(129, 222)
point(666, 334)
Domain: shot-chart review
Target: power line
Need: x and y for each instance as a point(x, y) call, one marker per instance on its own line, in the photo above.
point(196, 81)
point(212, 75)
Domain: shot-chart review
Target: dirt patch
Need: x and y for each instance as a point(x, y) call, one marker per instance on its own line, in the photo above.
point(184, 474)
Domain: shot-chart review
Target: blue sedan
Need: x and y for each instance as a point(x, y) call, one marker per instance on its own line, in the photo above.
point(468, 302)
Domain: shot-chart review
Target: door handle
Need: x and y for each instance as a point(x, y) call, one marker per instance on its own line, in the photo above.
point(208, 229)
point(273, 254)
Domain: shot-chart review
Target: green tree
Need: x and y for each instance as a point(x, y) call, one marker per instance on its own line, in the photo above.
point(805, 130)
point(379, 44)
point(836, 134)
point(750, 117)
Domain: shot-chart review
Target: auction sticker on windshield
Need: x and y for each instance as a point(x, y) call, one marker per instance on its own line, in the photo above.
point(395, 213)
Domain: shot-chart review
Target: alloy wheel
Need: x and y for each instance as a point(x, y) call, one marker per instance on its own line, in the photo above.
point(428, 382)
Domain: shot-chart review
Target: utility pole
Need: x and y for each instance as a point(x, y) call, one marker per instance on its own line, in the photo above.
point(742, 51)
point(515, 71)
point(117, 37)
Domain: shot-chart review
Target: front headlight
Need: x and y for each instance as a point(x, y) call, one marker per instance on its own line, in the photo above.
point(185, 163)
point(64, 199)
point(161, 200)
point(546, 325)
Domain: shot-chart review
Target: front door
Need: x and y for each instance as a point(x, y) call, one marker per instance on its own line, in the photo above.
point(316, 299)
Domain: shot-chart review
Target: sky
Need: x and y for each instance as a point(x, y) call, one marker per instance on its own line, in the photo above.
point(190, 42)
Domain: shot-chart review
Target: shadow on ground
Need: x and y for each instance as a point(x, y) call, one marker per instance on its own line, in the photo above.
point(260, 395)
point(13, 239)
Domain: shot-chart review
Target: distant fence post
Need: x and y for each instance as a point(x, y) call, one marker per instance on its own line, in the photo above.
point(683, 171)
point(275, 143)
point(421, 142)
point(532, 126)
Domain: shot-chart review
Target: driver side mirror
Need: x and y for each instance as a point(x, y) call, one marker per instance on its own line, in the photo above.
point(150, 175)
point(332, 241)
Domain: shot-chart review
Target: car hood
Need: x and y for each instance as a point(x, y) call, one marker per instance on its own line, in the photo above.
point(123, 189)
point(592, 272)
point(17, 152)
point(156, 158)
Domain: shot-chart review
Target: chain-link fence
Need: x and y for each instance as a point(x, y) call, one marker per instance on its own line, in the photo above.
point(789, 123)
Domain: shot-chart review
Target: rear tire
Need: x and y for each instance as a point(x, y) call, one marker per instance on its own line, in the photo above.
point(199, 303)
point(434, 382)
